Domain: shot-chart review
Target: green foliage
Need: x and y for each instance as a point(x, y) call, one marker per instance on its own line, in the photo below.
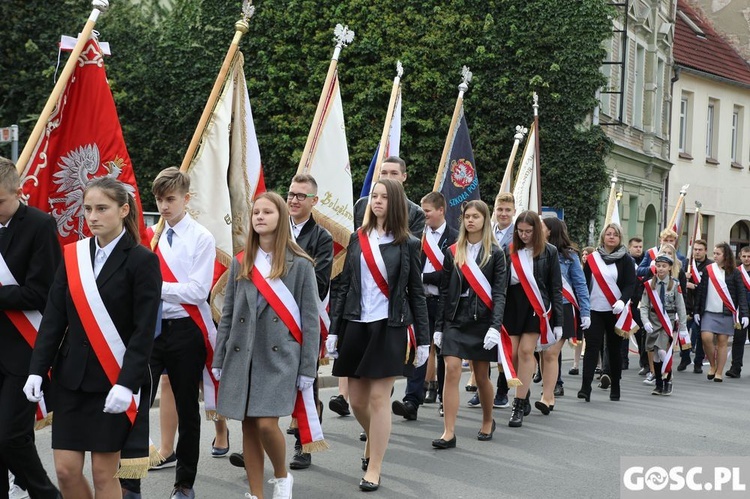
point(165, 62)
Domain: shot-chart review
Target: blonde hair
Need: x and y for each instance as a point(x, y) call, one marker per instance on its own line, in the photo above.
point(282, 242)
point(488, 239)
point(667, 233)
point(611, 225)
point(676, 263)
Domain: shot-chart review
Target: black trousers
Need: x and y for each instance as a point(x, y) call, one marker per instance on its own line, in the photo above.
point(415, 391)
point(17, 449)
point(738, 348)
point(602, 325)
point(181, 350)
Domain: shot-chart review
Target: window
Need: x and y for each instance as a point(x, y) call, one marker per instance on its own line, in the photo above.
point(659, 104)
point(736, 151)
point(640, 65)
point(711, 129)
point(686, 125)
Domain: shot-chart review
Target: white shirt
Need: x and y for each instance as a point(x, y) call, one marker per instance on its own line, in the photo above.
point(373, 302)
point(297, 228)
point(597, 299)
point(435, 235)
point(713, 300)
point(472, 252)
point(500, 233)
point(513, 275)
point(269, 259)
point(194, 245)
point(101, 254)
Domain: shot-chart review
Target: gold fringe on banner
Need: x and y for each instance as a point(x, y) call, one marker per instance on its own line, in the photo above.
point(43, 423)
point(154, 457)
point(626, 334)
point(318, 446)
point(134, 468)
point(514, 382)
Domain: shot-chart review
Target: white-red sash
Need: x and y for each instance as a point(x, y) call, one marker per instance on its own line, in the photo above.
point(720, 285)
point(523, 264)
point(695, 274)
point(652, 254)
point(100, 330)
point(432, 251)
point(612, 293)
point(482, 288)
point(658, 306)
point(283, 303)
point(745, 276)
point(376, 266)
point(26, 322)
point(173, 270)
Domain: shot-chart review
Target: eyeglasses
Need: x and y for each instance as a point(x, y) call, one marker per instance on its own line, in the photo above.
point(525, 232)
point(301, 196)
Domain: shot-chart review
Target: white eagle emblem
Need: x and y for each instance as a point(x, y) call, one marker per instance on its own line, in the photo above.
point(76, 169)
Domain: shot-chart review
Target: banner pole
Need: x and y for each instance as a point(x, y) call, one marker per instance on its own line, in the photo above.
point(466, 77)
point(505, 184)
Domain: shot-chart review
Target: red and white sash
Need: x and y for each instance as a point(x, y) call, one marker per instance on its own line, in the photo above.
point(283, 303)
point(376, 266)
point(658, 306)
point(432, 251)
point(173, 270)
point(718, 281)
point(482, 288)
point(100, 330)
point(745, 276)
point(695, 274)
point(523, 264)
point(652, 254)
point(26, 322)
point(570, 295)
point(612, 293)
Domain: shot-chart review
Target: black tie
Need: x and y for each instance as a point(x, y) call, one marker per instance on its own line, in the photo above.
point(170, 233)
point(662, 295)
point(3, 230)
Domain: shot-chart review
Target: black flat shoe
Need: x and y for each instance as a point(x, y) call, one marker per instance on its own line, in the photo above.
point(441, 443)
point(710, 376)
point(222, 451)
point(366, 486)
point(552, 407)
point(544, 408)
point(365, 463)
point(363, 436)
point(718, 380)
point(584, 395)
point(483, 437)
point(471, 388)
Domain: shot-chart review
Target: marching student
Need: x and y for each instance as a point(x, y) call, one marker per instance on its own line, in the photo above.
point(436, 239)
point(97, 332)
point(695, 274)
point(535, 296)
point(738, 341)
point(29, 256)
point(667, 236)
point(661, 300)
point(576, 308)
point(268, 340)
point(379, 313)
point(721, 308)
point(470, 315)
point(610, 277)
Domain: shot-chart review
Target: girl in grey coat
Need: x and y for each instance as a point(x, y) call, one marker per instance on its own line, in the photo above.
point(259, 361)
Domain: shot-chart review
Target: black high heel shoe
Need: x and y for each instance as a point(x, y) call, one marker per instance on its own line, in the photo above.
point(365, 463)
point(367, 486)
point(544, 408)
point(483, 437)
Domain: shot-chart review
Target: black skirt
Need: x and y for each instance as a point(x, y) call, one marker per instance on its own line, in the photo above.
point(519, 316)
point(80, 423)
point(373, 350)
point(464, 337)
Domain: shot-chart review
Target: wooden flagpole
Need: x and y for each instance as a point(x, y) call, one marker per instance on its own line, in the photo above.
point(611, 200)
point(466, 76)
point(677, 207)
point(698, 206)
point(343, 37)
point(537, 159)
point(99, 7)
point(505, 185)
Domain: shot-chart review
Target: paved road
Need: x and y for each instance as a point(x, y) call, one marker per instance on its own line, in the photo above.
point(574, 452)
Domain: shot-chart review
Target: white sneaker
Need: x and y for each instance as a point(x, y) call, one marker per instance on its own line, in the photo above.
point(17, 492)
point(248, 495)
point(650, 380)
point(282, 487)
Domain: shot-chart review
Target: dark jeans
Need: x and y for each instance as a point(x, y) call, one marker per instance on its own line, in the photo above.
point(17, 449)
point(415, 383)
point(738, 348)
point(602, 329)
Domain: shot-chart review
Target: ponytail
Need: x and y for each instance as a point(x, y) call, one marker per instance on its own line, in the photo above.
point(131, 220)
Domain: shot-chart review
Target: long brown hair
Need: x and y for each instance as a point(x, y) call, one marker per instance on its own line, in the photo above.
point(282, 242)
point(396, 213)
point(538, 240)
point(117, 192)
point(728, 257)
point(558, 237)
point(488, 239)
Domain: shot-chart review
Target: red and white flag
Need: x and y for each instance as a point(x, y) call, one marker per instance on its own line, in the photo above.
point(82, 140)
point(525, 187)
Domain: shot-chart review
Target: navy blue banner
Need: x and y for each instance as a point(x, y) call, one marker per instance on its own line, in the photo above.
point(461, 181)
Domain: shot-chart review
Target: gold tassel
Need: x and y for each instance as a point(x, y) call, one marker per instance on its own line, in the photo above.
point(514, 382)
point(212, 415)
point(154, 457)
point(626, 334)
point(294, 424)
point(133, 468)
point(318, 446)
point(687, 346)
point(324, 361)
point(43, 423)
point(408, 351)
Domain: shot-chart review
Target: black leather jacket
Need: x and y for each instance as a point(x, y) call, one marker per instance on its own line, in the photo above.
point(318, 243)
point(548, 278)
point(406, 304)
point(495, 270)
point(736, 291)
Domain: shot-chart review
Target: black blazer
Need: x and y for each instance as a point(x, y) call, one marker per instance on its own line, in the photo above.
point(416, 216)
point(450, 235)
point(32, 253)
point(549, 279)
point(736, 290)
point(625, 277)
point(318, 243)
point(496, 272)
point(130, 287)
point(406, 305)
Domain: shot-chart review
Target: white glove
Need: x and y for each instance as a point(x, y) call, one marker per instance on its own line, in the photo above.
point(557, 330)
point(331, 346)
point(33, 388)
point(618, 307)
point(216, 371)
point(437, 339)
point(585, 322)
point(118, 400)
point(304, 382)
point(744, 322)
point(648, 327)
point(423, 353)
point(491, 339)
point(697, 319)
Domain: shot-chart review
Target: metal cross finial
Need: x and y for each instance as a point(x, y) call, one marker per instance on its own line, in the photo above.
point(521, 131)
point(399, 69)
point(342, 35)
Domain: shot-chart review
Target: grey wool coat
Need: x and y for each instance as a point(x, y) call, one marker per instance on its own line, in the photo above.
point(259, 357)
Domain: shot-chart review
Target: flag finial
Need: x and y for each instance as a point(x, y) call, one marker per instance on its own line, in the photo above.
point(248, 9)
point(536, 104)
point(613, 178)
point(466, 76)
point(399, 69)
point(101, 5)
point(521, 132)
point(342, 35)
point(698, 205)
point(684, 189)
